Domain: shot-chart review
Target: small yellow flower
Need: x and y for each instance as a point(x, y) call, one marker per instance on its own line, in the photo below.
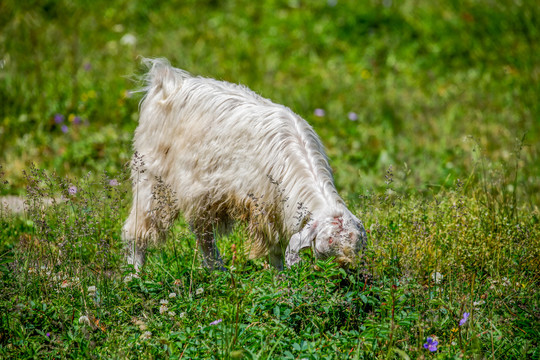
point(455, 329)
point(365, 74)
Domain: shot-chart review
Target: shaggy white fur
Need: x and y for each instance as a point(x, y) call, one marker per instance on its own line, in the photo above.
point(218, 152)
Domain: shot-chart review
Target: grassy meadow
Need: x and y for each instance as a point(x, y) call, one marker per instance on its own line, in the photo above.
point(429, 113)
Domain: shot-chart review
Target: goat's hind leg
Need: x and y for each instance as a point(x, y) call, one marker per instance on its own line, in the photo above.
point(207, 244)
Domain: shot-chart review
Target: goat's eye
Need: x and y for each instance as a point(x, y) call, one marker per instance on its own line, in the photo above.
point(331, 240)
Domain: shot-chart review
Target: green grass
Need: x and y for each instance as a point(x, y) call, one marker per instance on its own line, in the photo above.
point(385, 308)
point(441, 165)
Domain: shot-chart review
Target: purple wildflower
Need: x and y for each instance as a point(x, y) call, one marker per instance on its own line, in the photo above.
point(216, 322)
point(77, 120)
point(464, 319)
point(431, 344)
point(48, 334)
point(64, 129)
point(72, 190)
point(87, 66)
point(319, 112)
point(58, 118)
point(113, 182)
point(352, 116)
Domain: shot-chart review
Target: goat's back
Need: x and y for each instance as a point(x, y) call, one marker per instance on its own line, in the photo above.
point(221, 144)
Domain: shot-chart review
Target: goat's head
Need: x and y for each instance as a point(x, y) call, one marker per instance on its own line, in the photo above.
point(341, 236)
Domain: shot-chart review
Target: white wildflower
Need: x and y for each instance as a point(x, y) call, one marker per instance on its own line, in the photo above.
point(172, 295)
point(92, 290)
point(146, 335)
point(118, 28)
point(84, 320)
point(128, 40)
point(199, 291)
point(130, 277)
point(437, 277)
point(142, 326)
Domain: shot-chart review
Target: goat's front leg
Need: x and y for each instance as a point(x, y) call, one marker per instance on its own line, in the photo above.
point(137, 229)
point(275, 257)
point(299, 241)
point(152, 213)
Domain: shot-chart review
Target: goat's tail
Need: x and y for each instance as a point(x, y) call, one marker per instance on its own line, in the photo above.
point(162, 79)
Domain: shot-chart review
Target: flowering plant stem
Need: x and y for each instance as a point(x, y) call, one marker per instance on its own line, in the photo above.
point(392, 322)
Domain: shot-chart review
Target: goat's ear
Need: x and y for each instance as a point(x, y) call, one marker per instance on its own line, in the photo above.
point(299, 241)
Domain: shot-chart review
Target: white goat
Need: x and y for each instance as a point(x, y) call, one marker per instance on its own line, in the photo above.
point(228, 154)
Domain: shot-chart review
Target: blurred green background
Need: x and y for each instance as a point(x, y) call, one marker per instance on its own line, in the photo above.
point(440, 91)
